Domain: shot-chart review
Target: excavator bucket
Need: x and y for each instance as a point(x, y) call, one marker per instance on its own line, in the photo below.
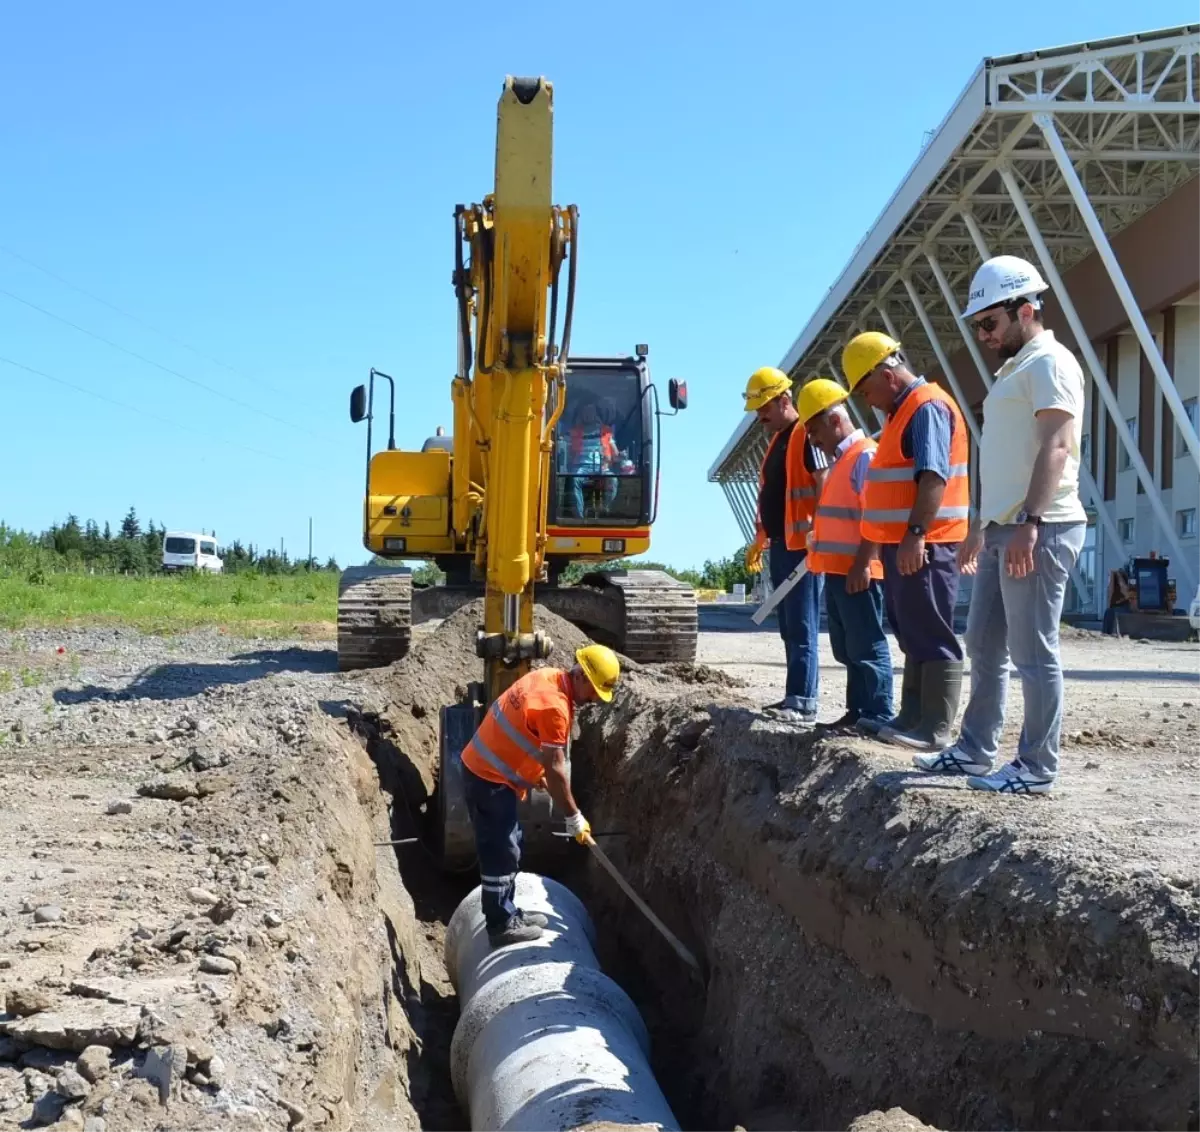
point(541, 849)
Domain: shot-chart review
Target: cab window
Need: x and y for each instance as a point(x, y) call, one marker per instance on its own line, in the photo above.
point(598, 449)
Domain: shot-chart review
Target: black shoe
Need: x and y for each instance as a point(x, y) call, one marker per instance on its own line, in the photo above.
point(843, 725)
point(517, 930)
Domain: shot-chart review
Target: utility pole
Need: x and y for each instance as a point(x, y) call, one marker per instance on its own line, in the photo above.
point(310, 561)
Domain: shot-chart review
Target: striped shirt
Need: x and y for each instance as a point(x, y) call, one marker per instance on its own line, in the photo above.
point(926, 440)
point(858, 474)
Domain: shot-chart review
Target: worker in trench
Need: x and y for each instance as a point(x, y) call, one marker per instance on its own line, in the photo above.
point(1027, 537)
point(849, 565)
point(789, 481)
point(917, 513)
point(520, 746)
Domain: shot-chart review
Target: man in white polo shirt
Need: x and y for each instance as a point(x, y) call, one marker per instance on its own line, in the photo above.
point(1027, 536)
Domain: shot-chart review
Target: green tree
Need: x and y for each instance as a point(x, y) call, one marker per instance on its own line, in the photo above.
point(130, 528)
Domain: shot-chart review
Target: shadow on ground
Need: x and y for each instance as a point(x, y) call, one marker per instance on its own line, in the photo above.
point(181, 681)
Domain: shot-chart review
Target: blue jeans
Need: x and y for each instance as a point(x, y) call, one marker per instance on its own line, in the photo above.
point(493, 809)
point(799, 617)
point(858, 641)
point(1018, 617)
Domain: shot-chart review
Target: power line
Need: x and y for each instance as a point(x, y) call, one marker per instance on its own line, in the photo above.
point(139, 411)
point(158, 365)
point(142, 322)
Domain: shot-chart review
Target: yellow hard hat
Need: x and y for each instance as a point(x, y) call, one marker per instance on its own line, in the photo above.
point(601, 667)
point(765, 385)
point(818, 395)
point(864, 352)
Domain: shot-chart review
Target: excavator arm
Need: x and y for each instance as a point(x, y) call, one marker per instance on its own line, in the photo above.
point(508, 293)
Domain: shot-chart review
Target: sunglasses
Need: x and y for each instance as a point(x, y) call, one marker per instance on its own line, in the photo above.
point(989, 322)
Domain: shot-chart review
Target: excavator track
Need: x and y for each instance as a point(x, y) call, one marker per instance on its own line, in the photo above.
point(374, 616)
point(661, 619)
point(646, 615)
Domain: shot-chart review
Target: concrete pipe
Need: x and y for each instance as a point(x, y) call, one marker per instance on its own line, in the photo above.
point(545, 1039)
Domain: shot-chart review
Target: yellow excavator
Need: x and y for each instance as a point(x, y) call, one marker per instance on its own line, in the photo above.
point(552, 460)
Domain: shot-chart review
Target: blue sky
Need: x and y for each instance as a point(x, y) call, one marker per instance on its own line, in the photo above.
point(272, 186)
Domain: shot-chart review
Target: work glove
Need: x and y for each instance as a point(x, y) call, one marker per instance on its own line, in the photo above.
point(579, 827)
point(754, 553)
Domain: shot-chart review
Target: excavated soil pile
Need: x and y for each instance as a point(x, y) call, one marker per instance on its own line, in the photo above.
point(871, 940)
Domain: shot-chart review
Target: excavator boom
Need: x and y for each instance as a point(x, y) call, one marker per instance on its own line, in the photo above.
point(517, 238)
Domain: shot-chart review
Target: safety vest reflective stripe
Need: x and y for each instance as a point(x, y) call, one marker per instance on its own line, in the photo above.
point(802, 493)
point(826, 547)
point(891, 487)
point(901, 514)
point(827, 512)
point(498, 765)
point(900, 475)
point(512, 733)
point(837, 526)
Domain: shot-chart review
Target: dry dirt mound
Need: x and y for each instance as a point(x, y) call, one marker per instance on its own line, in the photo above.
point(867, 944)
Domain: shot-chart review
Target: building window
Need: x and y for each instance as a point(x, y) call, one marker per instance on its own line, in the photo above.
point(1126, 459)
point(1085, 449)
point(1185, 522)
point(1192, 407)
point(1125, 526)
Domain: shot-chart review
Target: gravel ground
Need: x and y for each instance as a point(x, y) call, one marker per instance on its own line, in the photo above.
point(188, 882)
point(1129, 785)
point(187, 887)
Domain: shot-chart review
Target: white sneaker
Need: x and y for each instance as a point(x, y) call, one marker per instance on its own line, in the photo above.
point(952, 760)
point(1014, 778)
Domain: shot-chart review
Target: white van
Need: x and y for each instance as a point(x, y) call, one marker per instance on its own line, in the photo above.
point(186, 550)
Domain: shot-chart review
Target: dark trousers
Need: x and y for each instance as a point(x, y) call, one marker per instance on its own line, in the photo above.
point(858, 641)
point(799, 616)
point(493, 809)
point(920, 607)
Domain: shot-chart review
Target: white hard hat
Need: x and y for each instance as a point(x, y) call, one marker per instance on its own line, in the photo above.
point(1002, 279)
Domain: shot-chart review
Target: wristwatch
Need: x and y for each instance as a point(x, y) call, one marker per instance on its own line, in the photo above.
point(1024, 517)
point(916, 529)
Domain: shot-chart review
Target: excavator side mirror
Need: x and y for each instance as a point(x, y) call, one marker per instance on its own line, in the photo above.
point(358, 403)
point(677, 393)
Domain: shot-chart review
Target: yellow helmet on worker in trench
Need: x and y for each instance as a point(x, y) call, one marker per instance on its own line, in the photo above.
point(864, 352)
point(765, 385)
point(601, 667)
point(818, 395)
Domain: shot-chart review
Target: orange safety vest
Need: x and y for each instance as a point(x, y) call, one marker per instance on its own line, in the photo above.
point(608, 446)
point(507, 747)
point(801, 492)
point(892, 487)
point(837, 525)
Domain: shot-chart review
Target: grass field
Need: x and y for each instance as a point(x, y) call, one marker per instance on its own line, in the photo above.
point(246, 604)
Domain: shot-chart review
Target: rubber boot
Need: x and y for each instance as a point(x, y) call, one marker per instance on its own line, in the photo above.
point(910, 704)
point(941, 688)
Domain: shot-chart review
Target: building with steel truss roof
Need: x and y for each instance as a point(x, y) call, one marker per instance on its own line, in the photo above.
point(1083, 159)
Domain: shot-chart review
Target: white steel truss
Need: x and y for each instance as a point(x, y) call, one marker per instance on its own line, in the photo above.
point(1124, 113)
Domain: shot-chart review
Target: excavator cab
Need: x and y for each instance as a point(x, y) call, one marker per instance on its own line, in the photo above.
point(603, 489)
